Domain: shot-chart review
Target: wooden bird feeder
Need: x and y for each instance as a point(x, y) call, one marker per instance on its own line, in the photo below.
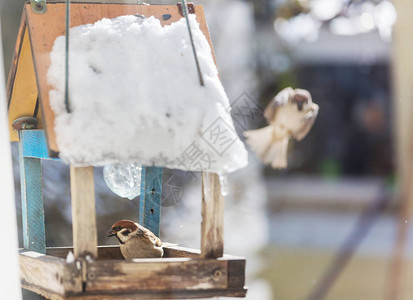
point(99, 272)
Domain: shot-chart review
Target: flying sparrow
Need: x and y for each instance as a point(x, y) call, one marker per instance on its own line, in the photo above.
point(135, 240)
point(290, 114)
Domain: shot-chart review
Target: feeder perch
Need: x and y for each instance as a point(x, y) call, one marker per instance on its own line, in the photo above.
point(99, 272)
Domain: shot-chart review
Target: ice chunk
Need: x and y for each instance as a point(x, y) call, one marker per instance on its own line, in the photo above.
point(223, 180)
point(123, 179)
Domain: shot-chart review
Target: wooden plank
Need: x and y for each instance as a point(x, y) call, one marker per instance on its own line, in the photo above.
point(177, 251)
point(176, 294)
point(16, 56)
point(168, 278)
point(236, 273)
point(113, 252)
point(156, 275)
point(150, 199)
point(43, 274)
point(403, 110)
point(212, 226)
point(34, 144)
point(45, 28)
point(83, 211)
point(104, 252)
point(34, 235)
point(21, 85)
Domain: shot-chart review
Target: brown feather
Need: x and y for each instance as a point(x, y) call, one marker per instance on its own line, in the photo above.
point(125, 224)
point(150, 236)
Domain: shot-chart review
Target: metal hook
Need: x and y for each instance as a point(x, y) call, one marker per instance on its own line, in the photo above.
point(185, 12)
point(67, 104)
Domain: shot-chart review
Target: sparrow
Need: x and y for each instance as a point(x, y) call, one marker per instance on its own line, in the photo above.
point(135, 240)
point(291, 114)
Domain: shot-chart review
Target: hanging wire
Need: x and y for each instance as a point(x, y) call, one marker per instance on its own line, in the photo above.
point(67, 104)
point(185, 12)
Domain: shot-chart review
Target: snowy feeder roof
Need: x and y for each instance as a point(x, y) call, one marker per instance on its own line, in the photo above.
point(134, 96)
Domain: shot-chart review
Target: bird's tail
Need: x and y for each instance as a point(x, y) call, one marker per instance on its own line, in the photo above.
point(270, 151)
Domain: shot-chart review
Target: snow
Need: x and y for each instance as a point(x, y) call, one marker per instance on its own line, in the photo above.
point(70, 257)
point(135, 97)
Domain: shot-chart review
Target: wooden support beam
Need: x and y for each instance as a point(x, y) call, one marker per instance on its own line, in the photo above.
point(150, 200)
point(212, 227)
point(34, 144)
point(43, 274)
point(21, 86)
point(34, 235)
point(83, 212)
point(403, 109)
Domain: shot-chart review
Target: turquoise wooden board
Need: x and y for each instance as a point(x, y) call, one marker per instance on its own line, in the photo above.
point(34, 235)
point(34, 144)
point(150, 200)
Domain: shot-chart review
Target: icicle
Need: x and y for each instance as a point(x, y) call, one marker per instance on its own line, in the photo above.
point(223, 180)
point(205, 183)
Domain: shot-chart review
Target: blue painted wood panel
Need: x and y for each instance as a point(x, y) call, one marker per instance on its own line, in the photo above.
point(34, 144)
point(150, 200)
point(34, 235)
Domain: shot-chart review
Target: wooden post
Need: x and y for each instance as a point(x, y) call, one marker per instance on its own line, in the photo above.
point(403, 109)
point(212, 227)
point(34, 144)
point(150, 200)
point(9, 272)
point(34, 235)
point(83, 212)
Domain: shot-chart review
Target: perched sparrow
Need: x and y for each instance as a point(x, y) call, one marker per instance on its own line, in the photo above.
point(290, 114)
point(135, 240)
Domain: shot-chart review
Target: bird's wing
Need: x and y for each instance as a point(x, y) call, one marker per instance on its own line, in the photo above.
point(279, 100)
point(151, 237)
point(307, 124)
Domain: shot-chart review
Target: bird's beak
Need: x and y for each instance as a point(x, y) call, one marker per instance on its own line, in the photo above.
point(110, 233)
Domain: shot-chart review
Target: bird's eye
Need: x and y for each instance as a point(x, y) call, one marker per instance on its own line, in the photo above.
point(125, 232)
point(117, 228)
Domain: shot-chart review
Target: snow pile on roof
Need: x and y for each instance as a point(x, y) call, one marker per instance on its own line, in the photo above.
point(135, 96)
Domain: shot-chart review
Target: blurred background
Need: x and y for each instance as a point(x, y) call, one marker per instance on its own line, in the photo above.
point(326, 226)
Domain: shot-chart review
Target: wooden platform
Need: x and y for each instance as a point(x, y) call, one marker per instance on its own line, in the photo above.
point(182, 273)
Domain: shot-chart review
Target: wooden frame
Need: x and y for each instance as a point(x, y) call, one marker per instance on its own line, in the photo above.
point(181, 274)
point(100, 272)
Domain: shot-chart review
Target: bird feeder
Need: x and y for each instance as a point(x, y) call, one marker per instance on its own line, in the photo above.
point(99, 272)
